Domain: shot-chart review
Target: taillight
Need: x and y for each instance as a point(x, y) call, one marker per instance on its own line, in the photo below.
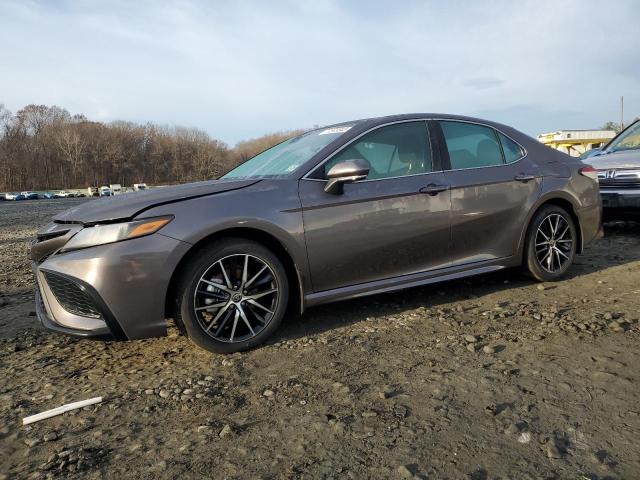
point(590, 172)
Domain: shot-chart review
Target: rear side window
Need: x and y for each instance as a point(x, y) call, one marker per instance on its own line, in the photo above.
point(512, 151)
point(471, 145)
point(392, 151)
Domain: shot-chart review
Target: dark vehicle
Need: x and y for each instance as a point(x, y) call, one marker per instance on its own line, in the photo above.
point(48, 195)
point(30, 195)
point(353, 209)
point(618, 166)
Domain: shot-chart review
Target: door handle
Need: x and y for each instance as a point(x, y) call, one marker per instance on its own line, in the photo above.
point(433, 189)
point(524, 177)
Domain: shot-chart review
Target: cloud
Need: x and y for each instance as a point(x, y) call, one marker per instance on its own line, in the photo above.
point(239, 69)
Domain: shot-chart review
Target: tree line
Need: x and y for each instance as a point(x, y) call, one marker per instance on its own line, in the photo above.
point(45, 147)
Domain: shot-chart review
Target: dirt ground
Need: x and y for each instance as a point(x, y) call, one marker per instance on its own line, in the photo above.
point(494, 377)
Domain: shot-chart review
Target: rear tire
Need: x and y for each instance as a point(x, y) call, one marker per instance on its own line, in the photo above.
point(232, 295)
point(551, 244)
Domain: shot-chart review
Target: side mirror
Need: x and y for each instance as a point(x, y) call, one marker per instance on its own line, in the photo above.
point(347, 171)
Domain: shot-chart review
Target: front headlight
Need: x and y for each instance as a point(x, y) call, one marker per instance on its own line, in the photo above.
point(115, 232)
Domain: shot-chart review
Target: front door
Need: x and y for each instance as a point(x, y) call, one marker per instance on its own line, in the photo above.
point(388, 225)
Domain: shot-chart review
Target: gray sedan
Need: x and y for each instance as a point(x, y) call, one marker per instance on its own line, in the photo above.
point(348, 210)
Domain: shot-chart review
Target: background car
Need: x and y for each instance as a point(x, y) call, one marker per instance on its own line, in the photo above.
point(105, 191)
point(30, 195)
point(14, 196)
point(618, 166)
point(339, 212)
point(62, 194)
point(48, 195)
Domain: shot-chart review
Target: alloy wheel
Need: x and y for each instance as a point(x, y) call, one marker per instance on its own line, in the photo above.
point(236, 297)
point(553, 243)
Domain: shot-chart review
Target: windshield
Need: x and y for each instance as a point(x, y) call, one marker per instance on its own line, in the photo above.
point(628, 140)
point(284, 158)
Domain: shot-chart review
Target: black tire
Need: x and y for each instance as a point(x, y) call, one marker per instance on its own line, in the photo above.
point(536, 261)
point(208, 261)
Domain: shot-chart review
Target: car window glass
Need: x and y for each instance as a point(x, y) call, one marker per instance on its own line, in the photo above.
point(392, 151)
point(471, 145)
point(512, 151)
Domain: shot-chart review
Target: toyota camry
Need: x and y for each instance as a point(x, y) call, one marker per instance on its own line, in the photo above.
point(343, 211)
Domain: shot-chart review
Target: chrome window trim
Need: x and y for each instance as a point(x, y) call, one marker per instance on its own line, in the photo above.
point(419, 119)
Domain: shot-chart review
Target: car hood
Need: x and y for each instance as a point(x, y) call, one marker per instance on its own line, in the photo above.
point(624, 159)
point(128, 205)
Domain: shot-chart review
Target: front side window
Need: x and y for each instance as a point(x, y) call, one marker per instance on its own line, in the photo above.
point(471, 145)
point(285, 158)
point(392, 151)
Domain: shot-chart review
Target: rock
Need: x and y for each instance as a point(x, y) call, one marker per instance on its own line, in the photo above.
point(226, 431)
point(387, 393)
point(148, 391)
point(205, 429)
point(471, 347)
point(164, 393)
point(471, 338)
point(268, 393)
point(524, 437)
point(552, 450)
point(32, 442)
point(488, 349)
point(541, 287)
point(406, 471)
point(187, 392)
point(50, 437)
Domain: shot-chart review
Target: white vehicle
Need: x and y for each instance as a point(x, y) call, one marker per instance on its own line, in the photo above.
point(139, 186)
point(116, 189)
point(92, 191)
point(11, 196)
point(63, 194)
point(105, 191)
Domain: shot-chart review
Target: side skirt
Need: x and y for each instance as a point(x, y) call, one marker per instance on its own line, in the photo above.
point(409, 281)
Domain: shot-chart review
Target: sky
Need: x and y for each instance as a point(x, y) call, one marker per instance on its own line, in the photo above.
point(240, 69)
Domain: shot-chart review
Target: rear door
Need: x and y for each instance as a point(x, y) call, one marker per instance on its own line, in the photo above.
point(493, 187)
point(388, 225)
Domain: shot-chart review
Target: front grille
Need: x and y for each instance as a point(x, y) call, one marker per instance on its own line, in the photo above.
point(73, 298)
point(622, 178)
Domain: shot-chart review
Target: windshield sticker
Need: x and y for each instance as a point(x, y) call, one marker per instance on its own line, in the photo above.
point(334, 130)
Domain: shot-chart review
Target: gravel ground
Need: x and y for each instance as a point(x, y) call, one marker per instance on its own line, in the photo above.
point(492, 377)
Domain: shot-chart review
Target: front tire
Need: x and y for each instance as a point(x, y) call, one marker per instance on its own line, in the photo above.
point(551, 244)
point(232, 295)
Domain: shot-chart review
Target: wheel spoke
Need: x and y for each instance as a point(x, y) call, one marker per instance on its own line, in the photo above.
point(253, 279)
point(216, 285)
point(543, 234)
point(224, 274)
point(564, 232)
point(235, 324)
point(246, 320)
point(256, 304)
point(245, 270)
point(261, 294)
point(213, 305)
point(215, 319)
point(562, 253)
